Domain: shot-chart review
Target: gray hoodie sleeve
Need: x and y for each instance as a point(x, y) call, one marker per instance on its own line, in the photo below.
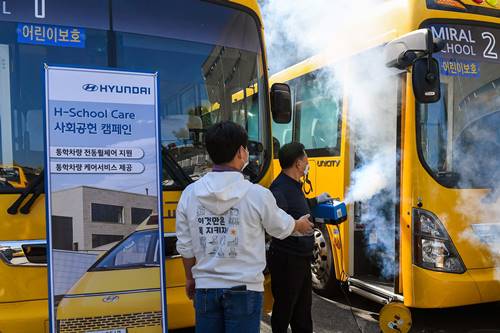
point(184, 238)
point(276, 222)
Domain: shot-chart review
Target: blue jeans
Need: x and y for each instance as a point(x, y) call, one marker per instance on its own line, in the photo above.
point(227, 311)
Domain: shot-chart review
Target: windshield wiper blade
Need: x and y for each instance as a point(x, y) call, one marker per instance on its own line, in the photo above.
point(35, 187)
point(36, 193)
point(175, 170)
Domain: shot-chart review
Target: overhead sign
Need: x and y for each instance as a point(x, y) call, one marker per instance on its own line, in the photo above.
point(476, 43)
point(103, 199)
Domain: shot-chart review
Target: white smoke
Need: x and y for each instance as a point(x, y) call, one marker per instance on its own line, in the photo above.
point(475, 161)
point(296, 30)
point(484, 234)
point(484, 210)
point(369, 179)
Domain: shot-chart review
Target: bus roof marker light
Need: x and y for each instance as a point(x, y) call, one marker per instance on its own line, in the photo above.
point(479, 1)
point(493, 3)
point(451, 3)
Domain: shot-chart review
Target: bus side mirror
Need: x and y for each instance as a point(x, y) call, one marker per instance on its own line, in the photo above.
point(425, 79)
point(415, 49)
point(281, 103)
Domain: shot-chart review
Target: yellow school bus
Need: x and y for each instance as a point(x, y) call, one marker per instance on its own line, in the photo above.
point(426, 237)
point(204, 52)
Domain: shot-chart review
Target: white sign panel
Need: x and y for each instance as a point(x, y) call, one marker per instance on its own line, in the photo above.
point(103, 200)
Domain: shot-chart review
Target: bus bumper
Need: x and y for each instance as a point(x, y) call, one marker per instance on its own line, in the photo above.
point(488, 283)
point(27, 316)
point(440, 290)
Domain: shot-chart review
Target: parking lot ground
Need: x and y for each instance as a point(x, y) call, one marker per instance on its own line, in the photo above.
point(334, 316)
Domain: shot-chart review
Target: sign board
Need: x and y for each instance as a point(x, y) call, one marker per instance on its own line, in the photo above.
point(106, 270)
point(40, 34)
point(474, 43)
point(467, 49)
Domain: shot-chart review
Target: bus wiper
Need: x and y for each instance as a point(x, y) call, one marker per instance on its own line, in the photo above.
point(36, 193)
point(35, 188)
point(174, 169)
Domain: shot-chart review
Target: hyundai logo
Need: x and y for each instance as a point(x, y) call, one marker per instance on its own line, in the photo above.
point(110, 299)
point(90, 87)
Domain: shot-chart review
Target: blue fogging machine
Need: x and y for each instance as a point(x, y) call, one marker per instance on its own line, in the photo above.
point(330, 212)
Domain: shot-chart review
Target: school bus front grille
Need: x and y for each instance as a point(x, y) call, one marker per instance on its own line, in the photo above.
point(131, 320)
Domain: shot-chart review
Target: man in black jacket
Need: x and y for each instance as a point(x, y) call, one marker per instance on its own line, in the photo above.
point(290, 260)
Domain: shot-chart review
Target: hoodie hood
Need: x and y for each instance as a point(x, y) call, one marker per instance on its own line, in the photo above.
point(220, 191)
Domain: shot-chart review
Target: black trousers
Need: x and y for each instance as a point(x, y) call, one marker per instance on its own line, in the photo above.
point(292, 292)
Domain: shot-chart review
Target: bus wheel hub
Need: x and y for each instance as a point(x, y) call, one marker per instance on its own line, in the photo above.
point(319, 264)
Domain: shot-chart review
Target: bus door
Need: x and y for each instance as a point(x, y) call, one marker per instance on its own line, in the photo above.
point(317, 125)
point(374, 114)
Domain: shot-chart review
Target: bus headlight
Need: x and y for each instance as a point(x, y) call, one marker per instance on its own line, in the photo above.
point(433, 248)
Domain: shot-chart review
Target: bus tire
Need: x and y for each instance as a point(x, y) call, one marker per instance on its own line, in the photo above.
point(324, 281)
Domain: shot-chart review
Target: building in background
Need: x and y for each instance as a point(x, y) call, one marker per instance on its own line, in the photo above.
point(96, 217)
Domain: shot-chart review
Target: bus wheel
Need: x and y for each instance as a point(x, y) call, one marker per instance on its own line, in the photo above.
point(395, 317)
point(324, 281)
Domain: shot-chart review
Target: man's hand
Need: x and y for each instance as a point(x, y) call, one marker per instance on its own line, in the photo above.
point(190, 284)
point(303, 225)
point(323, 197)
point(190, 287)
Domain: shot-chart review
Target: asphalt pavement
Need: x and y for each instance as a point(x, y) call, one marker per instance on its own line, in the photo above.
point(335, 316)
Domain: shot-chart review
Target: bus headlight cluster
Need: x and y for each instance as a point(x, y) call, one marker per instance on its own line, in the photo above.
point(433, 248)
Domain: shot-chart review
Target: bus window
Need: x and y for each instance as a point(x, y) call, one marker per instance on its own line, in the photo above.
point(137, 250)
point(459, 141)
point(199, 55)
point(318, 117)
point(436, 131)
point(208, 77)
point(21, 95)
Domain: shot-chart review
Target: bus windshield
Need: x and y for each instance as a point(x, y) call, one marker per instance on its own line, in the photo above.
point(137, 250)
point(204, 56)
point(459, 136)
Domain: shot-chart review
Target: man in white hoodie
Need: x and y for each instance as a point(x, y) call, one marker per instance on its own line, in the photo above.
point(221, 224)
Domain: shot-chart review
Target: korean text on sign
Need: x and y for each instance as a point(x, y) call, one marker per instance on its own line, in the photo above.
point(93, 167)
point(92, 128)
point(96, 152)
point(50, 35)
point(459, 68)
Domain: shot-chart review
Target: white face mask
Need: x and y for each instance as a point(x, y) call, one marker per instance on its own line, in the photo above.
point(245, 165)
point(306, 170)
point(246, 162)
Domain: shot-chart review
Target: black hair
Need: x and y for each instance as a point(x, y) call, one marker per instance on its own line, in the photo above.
point(223, 140)
point(289, 153)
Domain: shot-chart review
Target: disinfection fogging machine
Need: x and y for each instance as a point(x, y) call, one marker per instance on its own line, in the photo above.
point(330, 212)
